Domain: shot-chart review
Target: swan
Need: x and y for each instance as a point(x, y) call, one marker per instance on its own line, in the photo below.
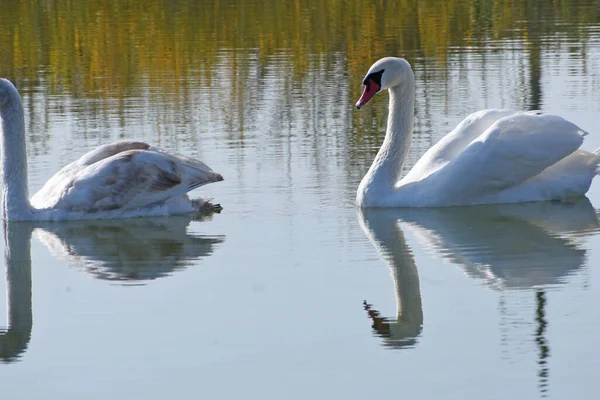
point(493, 156)
point(118, 180)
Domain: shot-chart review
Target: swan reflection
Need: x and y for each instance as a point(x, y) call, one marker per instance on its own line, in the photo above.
point(121, 250)
point(509, 246)
point(127, 250)
point(381, 227)
point(17, 259)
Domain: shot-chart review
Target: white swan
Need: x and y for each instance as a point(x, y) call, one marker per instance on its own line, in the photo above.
point(117, 180)
point(493, 156)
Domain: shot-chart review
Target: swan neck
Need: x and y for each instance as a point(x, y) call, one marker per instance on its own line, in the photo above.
point(387, 167)
point(398, 135)
point(15, 193)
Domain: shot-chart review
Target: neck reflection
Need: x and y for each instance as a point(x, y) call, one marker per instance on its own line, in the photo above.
point(17, 259)
point(381, 227)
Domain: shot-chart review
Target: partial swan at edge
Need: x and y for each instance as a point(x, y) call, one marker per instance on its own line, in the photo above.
point(493, 156)
point(118, 180)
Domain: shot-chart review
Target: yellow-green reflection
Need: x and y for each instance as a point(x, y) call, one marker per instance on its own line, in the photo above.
point(244, 69)
point(101, 48)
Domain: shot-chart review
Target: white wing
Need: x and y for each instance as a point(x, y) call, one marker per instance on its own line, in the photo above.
point(511, 151)
point(454, 143)
point(122, 175)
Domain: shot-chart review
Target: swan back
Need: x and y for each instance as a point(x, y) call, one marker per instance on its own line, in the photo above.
point(451, 145)
point(122, 176)
point(516, 149)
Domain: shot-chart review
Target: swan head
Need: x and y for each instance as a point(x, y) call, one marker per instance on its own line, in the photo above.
point(384, 74)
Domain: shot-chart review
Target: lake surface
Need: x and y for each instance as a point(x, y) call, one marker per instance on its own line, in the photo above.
point(291, 292)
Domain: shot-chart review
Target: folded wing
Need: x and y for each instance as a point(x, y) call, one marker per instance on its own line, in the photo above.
point(123, 175)
point(511, 151)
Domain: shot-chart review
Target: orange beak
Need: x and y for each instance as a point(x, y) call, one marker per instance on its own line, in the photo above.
point(369, 91)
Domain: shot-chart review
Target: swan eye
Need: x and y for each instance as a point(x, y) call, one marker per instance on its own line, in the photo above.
point(375, 77)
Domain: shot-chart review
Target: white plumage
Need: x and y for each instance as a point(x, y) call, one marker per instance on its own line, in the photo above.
point(117, 180)
point(493, 156)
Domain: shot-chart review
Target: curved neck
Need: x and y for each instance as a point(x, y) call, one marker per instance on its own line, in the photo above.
point(15, 193)
point(387, 166)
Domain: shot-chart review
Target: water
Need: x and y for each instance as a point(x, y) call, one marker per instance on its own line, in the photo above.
point(290, 292)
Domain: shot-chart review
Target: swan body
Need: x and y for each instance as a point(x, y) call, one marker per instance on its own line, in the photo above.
point(493, 156)
point(118, 180)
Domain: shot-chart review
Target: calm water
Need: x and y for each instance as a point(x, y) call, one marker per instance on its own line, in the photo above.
point(291, 292)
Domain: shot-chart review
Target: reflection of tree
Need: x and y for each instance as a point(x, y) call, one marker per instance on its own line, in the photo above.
point(534, 49)
point(125, 41)
point(260, 73)
point(115, 50)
